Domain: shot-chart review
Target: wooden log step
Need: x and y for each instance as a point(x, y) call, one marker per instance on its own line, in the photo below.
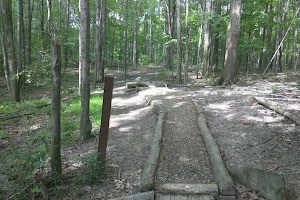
point(140, 196)
point(183, 197)
point(188, 189)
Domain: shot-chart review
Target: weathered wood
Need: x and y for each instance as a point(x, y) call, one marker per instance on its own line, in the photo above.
point(147, 182)
point(277, 109)
point(55, 109)
point(103, 134)
point(131, 85)
point(188, 189)
point(140, 196)
point(224, 180)
point(182, 197)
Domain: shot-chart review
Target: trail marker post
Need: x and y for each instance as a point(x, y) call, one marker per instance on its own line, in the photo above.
point(106, 107)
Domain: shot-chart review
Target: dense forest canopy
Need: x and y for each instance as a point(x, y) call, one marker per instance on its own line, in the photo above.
point(145, 32)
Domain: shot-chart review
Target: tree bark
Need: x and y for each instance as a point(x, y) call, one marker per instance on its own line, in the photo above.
point(30, 5)
point(98, 42)
point(207, 36)
point(5, 5)
point(187, 41)
point(5, 64)
point(215, 53)
point(48, 16)
point(178, 76)
point(20, 42)
point(229, 75)
point(84, 69)
point(66, 45)
point(295, 48)
point(275, 66)
point(103, 40)
point(134, 53)
point(199, 50)
point(125, 40)
point(55, 109)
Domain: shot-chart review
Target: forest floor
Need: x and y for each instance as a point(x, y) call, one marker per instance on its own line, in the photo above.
point(246, 133)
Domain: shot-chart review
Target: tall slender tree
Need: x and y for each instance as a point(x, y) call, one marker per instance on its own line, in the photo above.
point(207, 36)
point(30, 4)
point(229, 75)
point(187, 29)
point(178, 76)
point(20, 42)
point(84, 69)
point(5, 6)
point(134, 53)
point(125, 40)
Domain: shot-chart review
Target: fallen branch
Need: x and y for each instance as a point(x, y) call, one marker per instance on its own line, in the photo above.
point(277, 109)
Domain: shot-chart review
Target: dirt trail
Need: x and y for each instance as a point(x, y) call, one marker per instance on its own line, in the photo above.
point(183, 157)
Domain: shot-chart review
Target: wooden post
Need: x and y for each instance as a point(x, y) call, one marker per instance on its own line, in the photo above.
point(106, 107)
point(55, 162)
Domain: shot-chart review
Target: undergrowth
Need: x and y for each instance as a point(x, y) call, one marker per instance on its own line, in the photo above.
point(25, 150)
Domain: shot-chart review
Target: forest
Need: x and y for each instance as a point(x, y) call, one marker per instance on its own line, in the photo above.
point(54, 58)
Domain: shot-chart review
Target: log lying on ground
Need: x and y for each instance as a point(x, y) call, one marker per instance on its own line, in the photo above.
point(279, 110)
point(224, 180)
point(147, 182)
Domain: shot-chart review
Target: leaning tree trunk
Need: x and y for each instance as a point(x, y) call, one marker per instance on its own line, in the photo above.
point(5, 5)
point(84, 69)
point(207, 36)
point(229, 75)
point(178, 77)
point(55, 110)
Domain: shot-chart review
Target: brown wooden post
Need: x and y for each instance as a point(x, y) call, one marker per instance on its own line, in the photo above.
point(106, 107)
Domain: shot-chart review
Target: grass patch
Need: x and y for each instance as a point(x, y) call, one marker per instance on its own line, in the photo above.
point(165, 73)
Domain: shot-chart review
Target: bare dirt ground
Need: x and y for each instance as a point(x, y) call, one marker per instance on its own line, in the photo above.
point(246, 132)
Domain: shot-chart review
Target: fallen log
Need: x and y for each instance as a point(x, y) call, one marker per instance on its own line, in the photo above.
point(223, 179)
point(279, 110)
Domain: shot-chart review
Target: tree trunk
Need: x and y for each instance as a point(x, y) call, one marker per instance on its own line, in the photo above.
point(5, 5)
point(20, 42)
point(66, 35)
point(125, 41)
point(103, 39)
point(215, 53)
point(5, 64)
point(178, 76)
point(134, 53)
point(48, 16)
point(187, 41)
point(84, 69)
point(207, 36)
point(199, 50)
point(55, 109)
point(30, 5)
point(295, 48)
point(98, 42)
point(229, 75)
point(270, 31)
point(277, 39)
